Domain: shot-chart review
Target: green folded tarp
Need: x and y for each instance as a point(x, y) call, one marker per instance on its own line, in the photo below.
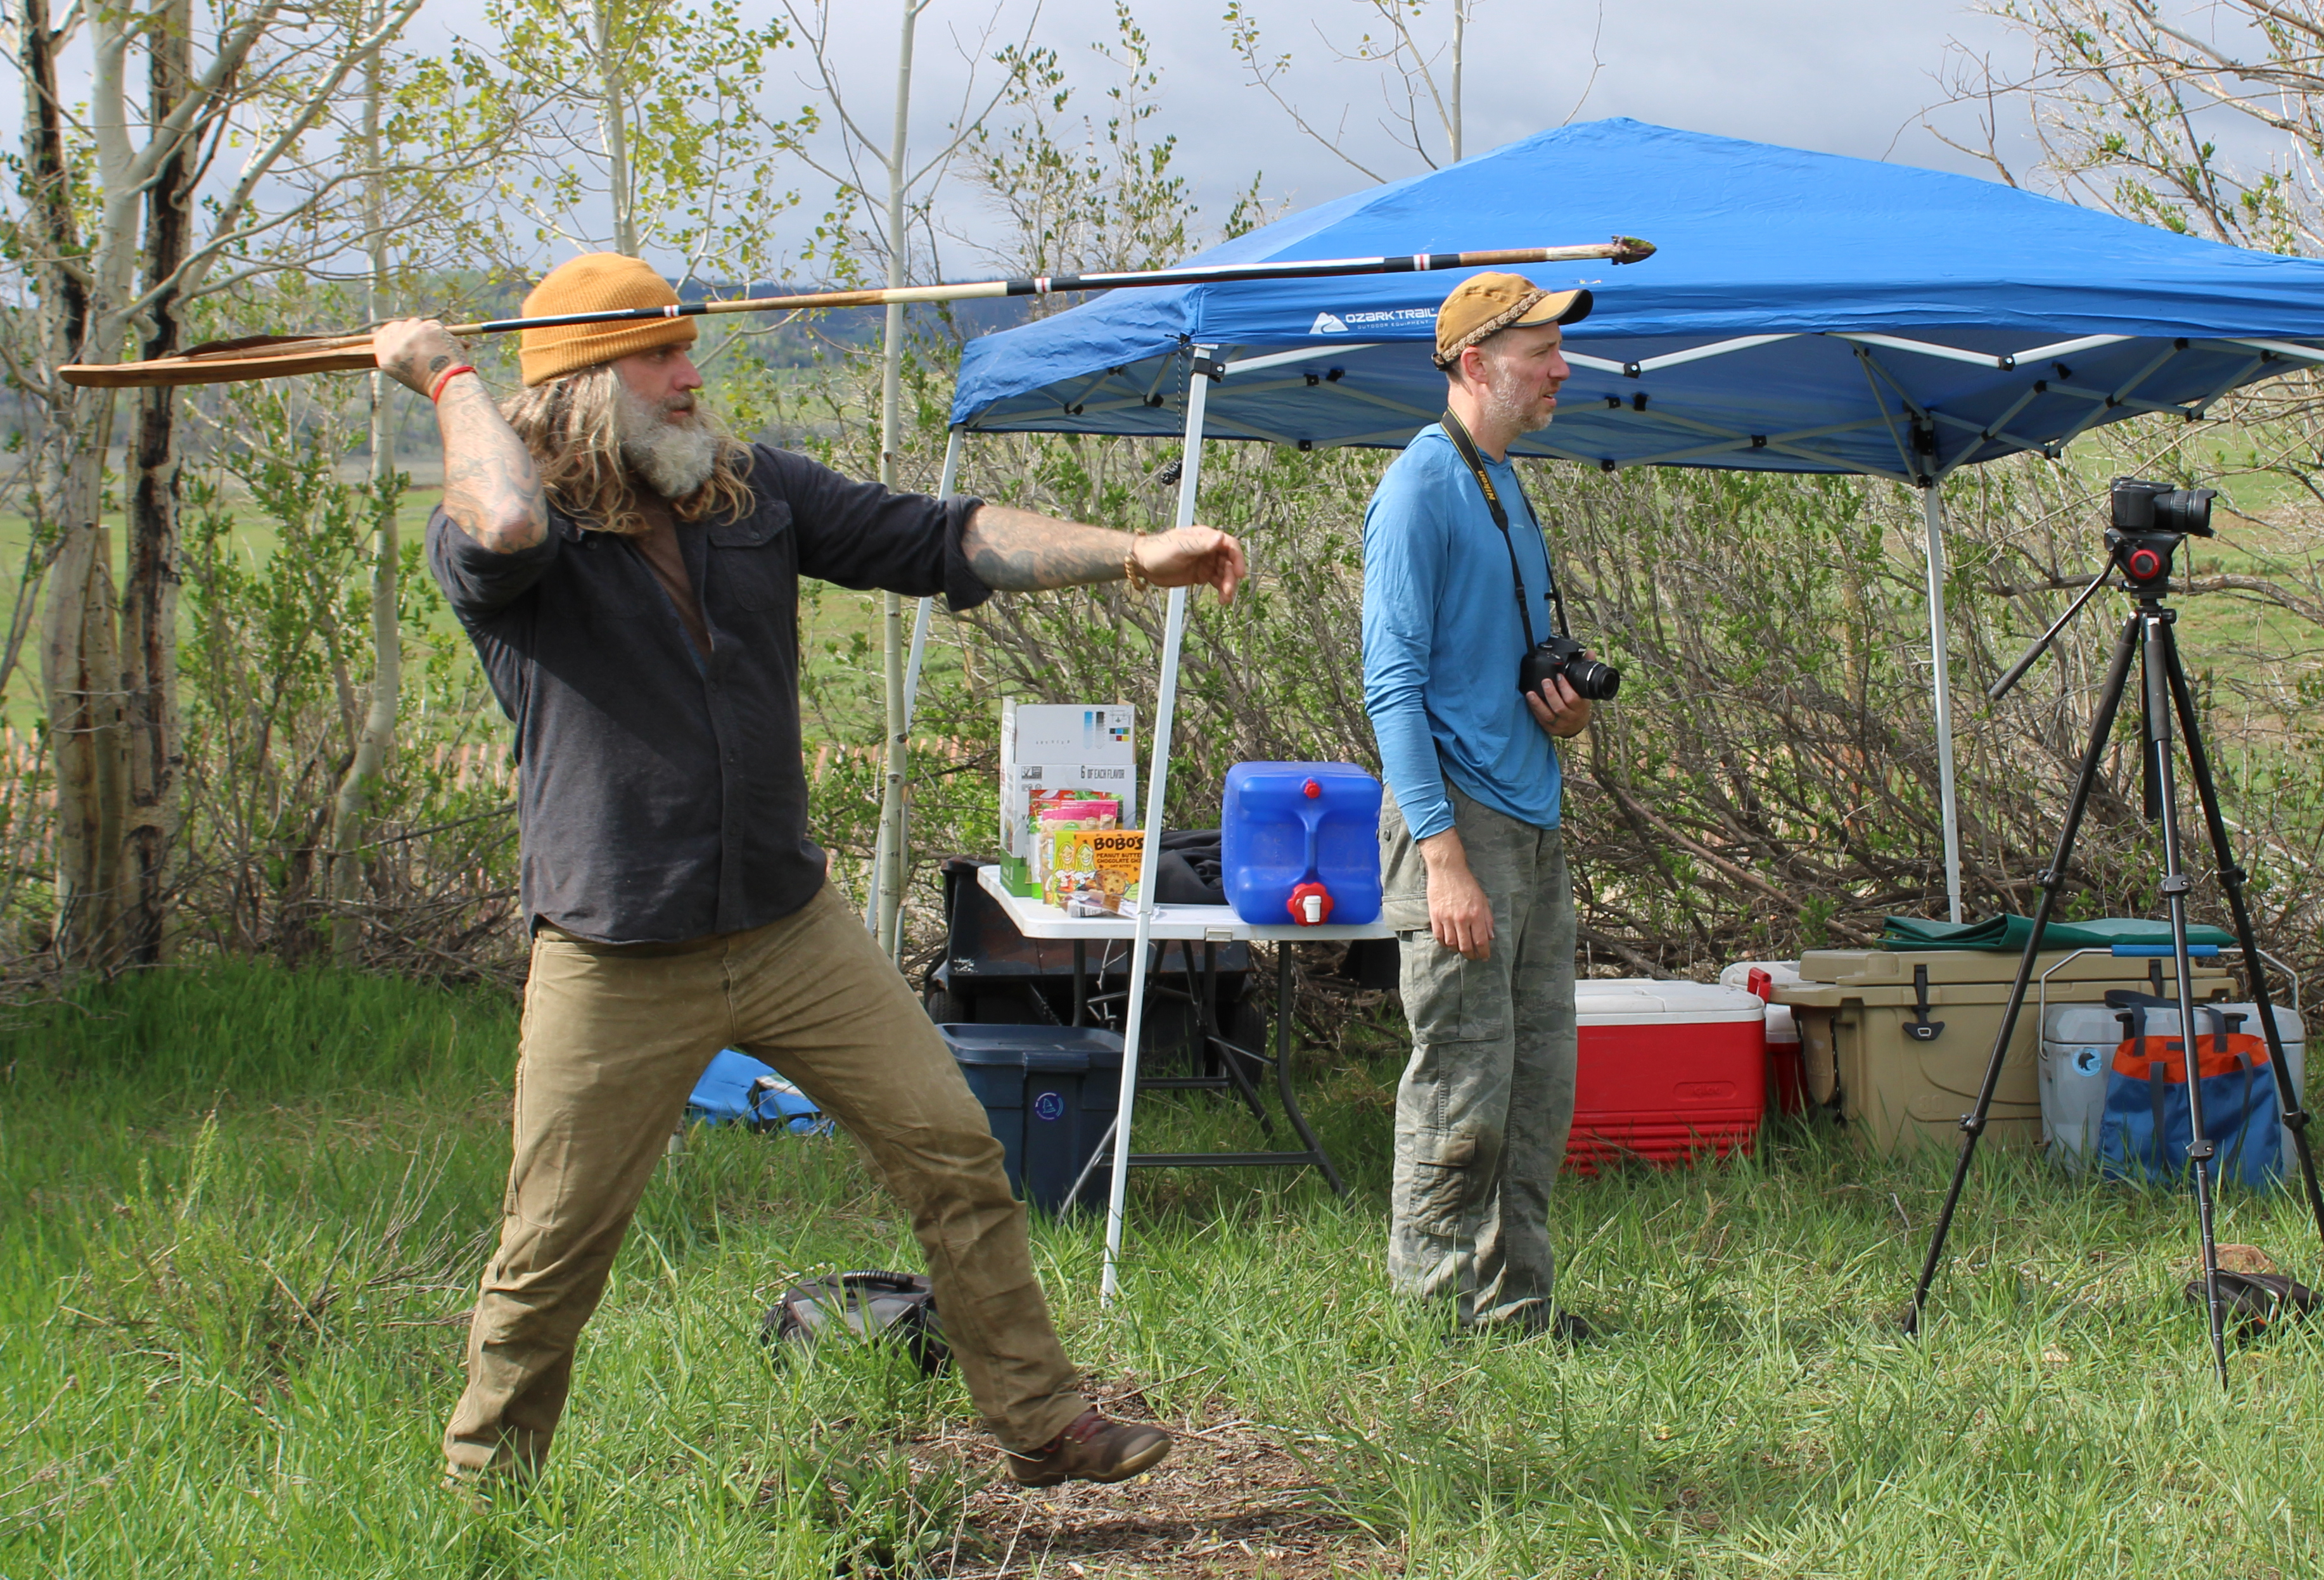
point(2008, 933)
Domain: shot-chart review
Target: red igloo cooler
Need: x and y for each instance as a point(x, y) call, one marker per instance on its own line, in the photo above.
point(1668, 1070)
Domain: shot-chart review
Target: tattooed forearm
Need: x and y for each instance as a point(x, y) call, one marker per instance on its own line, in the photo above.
point(1018, 551)
point(491, 488)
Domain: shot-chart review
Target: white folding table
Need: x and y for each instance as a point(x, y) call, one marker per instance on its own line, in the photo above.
point(1185, 925)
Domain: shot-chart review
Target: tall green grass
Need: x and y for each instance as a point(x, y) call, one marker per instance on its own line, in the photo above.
point(245, 1209)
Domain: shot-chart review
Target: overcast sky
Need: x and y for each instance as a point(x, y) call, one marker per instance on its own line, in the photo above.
point(1849, 76)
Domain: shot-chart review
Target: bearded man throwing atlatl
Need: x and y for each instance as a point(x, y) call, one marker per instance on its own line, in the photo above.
point(629, 576)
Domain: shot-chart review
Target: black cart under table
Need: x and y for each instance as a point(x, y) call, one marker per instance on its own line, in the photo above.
point(1226, 1057)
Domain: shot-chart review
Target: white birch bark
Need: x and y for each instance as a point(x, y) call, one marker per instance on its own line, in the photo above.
point(889, 865)
point(378, 733)
point(614, 122)
point(81, 638)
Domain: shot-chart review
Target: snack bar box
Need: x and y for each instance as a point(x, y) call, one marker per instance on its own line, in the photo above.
point(1899, 1040)
point(1064, 746)
point(1667, 1071)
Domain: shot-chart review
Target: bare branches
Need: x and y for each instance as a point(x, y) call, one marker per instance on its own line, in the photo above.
point(1265, 73)
point(2149, 110)
point(869, 173)
point(1419, 77)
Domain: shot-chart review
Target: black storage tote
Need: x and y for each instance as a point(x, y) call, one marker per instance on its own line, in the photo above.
point(1049, 1094)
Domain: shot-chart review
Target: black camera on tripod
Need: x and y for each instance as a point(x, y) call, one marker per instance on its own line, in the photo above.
point(1555, 656)
point(2149, 519)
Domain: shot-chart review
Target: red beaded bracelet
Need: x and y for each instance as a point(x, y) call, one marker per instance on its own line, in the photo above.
point(435, 390)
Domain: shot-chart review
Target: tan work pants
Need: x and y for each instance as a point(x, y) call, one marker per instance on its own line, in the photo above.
point(614, 1037)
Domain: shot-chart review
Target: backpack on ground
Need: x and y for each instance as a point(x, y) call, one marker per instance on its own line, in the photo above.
point(897, 1308)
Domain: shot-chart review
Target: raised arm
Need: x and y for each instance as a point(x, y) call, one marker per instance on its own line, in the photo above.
point(1018, 551)
point(491, 489)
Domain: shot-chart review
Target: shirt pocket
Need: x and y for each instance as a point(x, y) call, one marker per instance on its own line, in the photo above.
point(751, 560)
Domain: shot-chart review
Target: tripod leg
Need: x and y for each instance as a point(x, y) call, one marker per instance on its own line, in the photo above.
point(2231, 880)
point(1972, 1125)
point(2156, 621)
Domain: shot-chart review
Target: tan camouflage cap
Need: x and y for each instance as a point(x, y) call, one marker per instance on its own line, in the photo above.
point(1487, 304)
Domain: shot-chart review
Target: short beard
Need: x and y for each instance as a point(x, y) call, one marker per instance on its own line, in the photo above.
point(673, 459)
point(1508, 408)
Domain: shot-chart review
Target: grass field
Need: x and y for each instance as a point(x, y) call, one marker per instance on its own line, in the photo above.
point(830, 623)
point(244, 1211)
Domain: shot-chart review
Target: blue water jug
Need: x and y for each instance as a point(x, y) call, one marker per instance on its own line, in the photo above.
point(1300, 844)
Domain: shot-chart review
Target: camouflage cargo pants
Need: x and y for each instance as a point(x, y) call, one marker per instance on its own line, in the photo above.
point(1482, 1112)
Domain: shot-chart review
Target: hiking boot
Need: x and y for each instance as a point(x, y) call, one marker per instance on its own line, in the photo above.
point(1092, 1449)
point(1566, 1327)
point(1534, 1321)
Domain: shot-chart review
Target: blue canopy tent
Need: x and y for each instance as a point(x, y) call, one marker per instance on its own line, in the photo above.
point(1805, 313)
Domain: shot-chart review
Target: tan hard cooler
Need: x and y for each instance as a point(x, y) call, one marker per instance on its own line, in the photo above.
point(1863, 1017)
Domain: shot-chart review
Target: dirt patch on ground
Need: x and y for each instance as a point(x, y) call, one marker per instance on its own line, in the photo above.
point(1230, 1501)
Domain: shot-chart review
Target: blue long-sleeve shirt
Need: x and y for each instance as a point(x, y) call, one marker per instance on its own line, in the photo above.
point(1443, 639)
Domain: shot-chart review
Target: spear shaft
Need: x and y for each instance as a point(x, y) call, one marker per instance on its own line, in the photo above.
point(280, 356)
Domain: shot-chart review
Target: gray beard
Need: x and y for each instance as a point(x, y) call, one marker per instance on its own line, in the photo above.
point(674, 459)
point(1509, 408)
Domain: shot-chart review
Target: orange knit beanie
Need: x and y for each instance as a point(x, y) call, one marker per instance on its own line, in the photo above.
point(596, 282)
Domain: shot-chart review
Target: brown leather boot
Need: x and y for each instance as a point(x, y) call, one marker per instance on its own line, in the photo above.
point(1093, 1448)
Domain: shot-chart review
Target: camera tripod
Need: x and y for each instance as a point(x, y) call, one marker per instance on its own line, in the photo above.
point(2142, 560)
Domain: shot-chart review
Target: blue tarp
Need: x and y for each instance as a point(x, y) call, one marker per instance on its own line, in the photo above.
point(735, 1088)
point(1755, 241)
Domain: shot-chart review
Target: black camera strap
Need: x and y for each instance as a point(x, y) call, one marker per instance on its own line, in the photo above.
point(1455, 430)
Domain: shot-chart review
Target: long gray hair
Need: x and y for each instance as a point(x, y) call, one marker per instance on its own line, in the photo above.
point(573, 427)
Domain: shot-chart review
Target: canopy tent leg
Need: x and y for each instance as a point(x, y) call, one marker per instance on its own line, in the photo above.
point(1174, 626)
point(1932, 516)
point(891, 799)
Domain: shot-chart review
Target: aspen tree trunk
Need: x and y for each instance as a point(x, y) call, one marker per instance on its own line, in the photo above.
point(890, 867)
point(378, 733)
point(613, 123)
point(80, 659)
point(149, 596)
point(1460, 44)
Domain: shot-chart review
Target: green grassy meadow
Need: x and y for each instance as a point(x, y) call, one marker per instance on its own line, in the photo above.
point(244, 1209)
point(833, 621)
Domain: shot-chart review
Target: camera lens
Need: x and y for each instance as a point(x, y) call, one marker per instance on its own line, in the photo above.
point(1593, 679)
point(2184, 510)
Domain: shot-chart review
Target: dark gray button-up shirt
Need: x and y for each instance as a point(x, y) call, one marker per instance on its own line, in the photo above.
point(660, 796)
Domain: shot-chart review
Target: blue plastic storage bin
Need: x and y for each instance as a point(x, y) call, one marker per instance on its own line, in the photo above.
point(1049, 1093)
point(1299, 843)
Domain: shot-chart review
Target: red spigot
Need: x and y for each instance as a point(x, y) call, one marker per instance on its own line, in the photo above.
point(1311, 905)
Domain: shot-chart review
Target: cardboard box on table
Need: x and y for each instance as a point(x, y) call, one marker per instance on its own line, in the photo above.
point(1061, 746)
point(1854, 1008)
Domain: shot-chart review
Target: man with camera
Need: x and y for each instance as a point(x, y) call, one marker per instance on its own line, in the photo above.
point(629, 576)
point(1466, 695)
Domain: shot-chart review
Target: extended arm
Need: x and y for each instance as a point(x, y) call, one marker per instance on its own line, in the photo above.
point(491, 489)
point(1018, 551)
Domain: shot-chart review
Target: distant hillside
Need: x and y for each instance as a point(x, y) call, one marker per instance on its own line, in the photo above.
point(796, 343)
